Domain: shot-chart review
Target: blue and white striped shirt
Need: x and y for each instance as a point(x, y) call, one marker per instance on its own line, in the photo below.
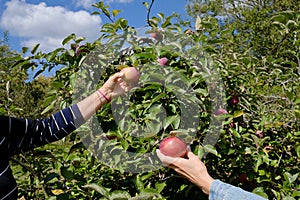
point(20, 135)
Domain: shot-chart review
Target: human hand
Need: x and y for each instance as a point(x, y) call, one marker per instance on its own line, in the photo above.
point(115, 86)
point(192, 168)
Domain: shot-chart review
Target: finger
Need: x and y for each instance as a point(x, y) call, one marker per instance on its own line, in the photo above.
point(190, 155)
point(116, 76)
point(188, 148)
point(166, 160)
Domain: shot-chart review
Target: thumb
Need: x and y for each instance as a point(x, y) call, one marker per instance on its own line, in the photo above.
point(190, 154)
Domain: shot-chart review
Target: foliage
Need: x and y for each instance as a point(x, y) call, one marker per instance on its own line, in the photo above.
point(258, 145)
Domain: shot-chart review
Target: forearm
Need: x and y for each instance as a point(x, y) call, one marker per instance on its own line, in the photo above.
point(224, 191)
point(89, 106)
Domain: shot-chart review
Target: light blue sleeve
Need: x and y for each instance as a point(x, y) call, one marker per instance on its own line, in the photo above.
point(224, 191)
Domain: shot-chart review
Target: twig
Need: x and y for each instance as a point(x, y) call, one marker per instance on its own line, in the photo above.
point(31, 171)
point(148, 13)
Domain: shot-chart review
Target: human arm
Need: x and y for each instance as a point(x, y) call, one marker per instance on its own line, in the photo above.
point(112, 88)
point(224, 191)
point(19, 135)
point(195, 171)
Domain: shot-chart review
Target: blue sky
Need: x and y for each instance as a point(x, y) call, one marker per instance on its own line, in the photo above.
point(47, 22)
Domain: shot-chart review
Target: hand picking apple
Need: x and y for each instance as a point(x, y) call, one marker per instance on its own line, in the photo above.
point(131, 75)
point(173, 146)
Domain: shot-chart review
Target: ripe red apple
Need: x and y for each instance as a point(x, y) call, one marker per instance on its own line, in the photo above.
point(173, 147)
point(243, 178)
point(232, 124)
point(153, 35)
point(220, 111)
point(131, 75)
point(163, 61)
point(235, 100)
point(157, 35)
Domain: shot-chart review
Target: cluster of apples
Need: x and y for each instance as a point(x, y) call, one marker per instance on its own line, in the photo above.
point(171, 146)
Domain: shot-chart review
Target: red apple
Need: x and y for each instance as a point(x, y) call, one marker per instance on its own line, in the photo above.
point(220, 111)
point(173, 147)
point(232, 124)
point(153, 35)
point(235, 100)
point(131, 75)
point(157, 35)
point(243, 178)
point(163, 61)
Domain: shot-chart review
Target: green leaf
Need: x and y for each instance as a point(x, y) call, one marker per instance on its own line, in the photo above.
point(105, 11)
point(48, 108)
point(258, 163)
point(238, 113)
point(160, 186)
point(260, 191)
point(79, 39)
point(169, 120)
point(198, 24)
point(125, 144)
point(176, 122)
point(146, 4)
point(297, 112)
point(38, 73)
point(166, 24)
point(119, 195)
point(77, 146)
point(69, 38)
point(102, 190)
point(35, 48)
point(296, 193)
point(139, 184)
point(67, 173)
point(44, 154)
point(50, 177)
point(290, 178)
point(202, 91)
point(288, 198)
point(211, 149)
point(298, 150)
point(115, 12)
point(161, 15)
point(24, 50)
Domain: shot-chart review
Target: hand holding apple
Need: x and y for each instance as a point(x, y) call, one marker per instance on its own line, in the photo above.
point(131, 75)
point(191, 167)
point(173, 147)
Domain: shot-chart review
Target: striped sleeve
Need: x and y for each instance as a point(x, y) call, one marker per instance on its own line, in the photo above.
point(24, 134)
point(8, 185)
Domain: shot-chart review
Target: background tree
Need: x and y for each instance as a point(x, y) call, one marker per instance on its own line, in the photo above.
point(256, 43)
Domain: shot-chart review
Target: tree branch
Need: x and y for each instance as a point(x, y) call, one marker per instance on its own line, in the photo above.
point(149, 11)
point(32, 172)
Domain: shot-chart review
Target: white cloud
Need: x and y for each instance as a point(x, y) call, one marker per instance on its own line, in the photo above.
point(84, 3)
point(39, 23)
point(87, 4)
